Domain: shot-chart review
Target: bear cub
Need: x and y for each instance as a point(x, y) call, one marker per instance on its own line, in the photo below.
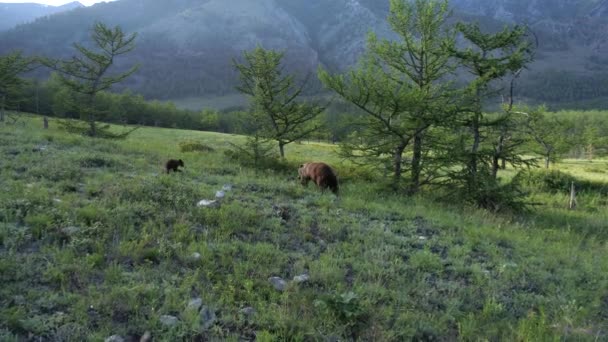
point(173, 164)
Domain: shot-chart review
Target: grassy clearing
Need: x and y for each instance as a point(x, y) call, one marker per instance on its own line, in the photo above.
point(96, 241)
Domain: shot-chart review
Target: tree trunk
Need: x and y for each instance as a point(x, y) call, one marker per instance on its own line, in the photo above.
point(92, 128)
point(547, 161)
point(474, 150)
point(2, 108)
point(504, 164)
point(282, 149)
point(397, 164)
point(495, 166)
point(416, 165)
point(45, 121)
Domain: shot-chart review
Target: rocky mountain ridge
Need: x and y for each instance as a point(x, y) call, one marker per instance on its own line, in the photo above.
point(13, 14)
point(186, 47)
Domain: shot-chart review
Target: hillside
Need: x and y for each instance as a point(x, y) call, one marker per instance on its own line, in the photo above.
point(12, 15)
point(186, 47)
point(95, 242)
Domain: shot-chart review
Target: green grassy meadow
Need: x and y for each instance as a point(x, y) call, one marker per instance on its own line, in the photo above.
point(96, 241)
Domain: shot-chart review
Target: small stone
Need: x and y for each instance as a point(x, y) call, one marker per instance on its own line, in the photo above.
point(278, 283)
point(207, 317)
point(196, 256)
point(195, 304)
point(146, 337)
point(220, 194)
point(301, 278)
point(169, 320)
point(422, 238)
point(208, 203)
point(248, 311)
point(70, 230)
point(39, 148)
point(19, 300)
point(57, 200)
point(114, 338)
point(227, 187)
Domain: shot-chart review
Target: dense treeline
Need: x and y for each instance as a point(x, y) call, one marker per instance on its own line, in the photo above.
point(587, 136)
point(558, 87)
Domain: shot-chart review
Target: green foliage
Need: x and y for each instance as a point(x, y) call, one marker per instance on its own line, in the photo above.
point(348, 310)
point(256, 152)
point(87, 74)
point(555, 181)
point(484, 140)
point(401, 87)
point(275, 105)
point(11, 66)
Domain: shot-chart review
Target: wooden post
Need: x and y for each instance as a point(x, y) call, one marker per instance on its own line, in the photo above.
point(2, 108)
point(572, 204)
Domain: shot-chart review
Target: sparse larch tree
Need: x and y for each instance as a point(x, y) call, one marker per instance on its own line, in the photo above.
point(402, 87)
point(275, 102)
point(11, 66)
point(87, 74)
point(489, 58)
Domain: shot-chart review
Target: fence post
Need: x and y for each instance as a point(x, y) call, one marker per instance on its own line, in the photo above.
point(572, 204)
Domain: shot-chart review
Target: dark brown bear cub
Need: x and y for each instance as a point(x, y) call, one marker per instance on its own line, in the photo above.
point(320, 173)
point(173, 164)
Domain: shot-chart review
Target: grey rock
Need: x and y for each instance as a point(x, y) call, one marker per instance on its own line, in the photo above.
point(247, 311)
point(207, 316)
point(227, 187)
point(70, 230)
point(114, 338)
point(195, 304)
point(208, 203)
point(302, 278)
point(19, 300)
point(278, 283)
point(146, 337)
point(196, 256)
point(169, 320)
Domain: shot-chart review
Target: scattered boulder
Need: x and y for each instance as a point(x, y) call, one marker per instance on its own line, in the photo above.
point(227, 187)
point(220, 194)
point(114, 338)
point(247, 311)
point(146, 337)
point(302, 278)
point(169, 320)
point(207, 316)
point(278, 283)
point(39, 148)
point(71, 230)
point(208, 203)
point(195, 304)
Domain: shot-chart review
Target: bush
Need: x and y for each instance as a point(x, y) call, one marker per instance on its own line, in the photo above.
point(257, 153)
point(559, 182)
point(194, 146)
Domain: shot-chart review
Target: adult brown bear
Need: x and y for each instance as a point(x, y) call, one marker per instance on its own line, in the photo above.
point(173, 164)
point(320, 173)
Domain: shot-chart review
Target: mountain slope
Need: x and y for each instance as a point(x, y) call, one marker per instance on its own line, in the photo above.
point(12, 15)
point(186, 47)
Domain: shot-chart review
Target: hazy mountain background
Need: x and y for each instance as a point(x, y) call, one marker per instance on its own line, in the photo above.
point(185, 47)
point(12, 15)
